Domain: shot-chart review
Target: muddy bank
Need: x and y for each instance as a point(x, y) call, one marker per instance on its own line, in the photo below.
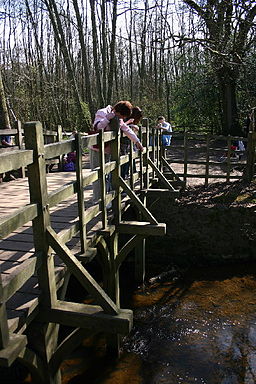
point(216, 224)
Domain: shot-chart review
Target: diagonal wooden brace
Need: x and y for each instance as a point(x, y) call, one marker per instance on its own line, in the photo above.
point(160, 175)
point(82, 275)
point(144, 211)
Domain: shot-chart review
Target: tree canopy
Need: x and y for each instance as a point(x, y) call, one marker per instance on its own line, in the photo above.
point(192, 61)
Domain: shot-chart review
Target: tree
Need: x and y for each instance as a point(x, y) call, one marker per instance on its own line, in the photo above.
point(228, 39)
point(4, 116)
point(60, 36)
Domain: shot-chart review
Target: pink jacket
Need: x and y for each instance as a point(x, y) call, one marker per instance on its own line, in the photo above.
point(101, 122)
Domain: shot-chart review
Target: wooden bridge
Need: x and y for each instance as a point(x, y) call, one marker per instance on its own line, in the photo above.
point(50, 228)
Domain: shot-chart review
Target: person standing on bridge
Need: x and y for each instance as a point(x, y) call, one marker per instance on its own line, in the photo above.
point(102, 120)
point(166, 128)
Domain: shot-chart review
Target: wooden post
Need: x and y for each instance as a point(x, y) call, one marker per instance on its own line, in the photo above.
point(102, 178)
point(185, 169)
point(19, 143)
point(4, 331)
point(145, 142)
point(113, 340)
point(250, 165)
point(131, 162)
point(115, 155)
point(157, 148)
point(140, 256)
point(141, 159)
point(59, 138)
point(80, 192)
point(153, 151)
point(228, 158)
point(46, 344)
point(207, 160)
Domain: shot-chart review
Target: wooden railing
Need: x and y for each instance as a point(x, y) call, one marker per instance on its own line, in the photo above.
point(106, 314)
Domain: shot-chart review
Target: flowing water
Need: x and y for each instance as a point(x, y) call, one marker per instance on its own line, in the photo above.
point(198, 329)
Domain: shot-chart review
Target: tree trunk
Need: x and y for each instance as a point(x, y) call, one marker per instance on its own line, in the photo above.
point(4, 116)
point(84, 57)
point(101, 100)
point(59, 33)
point(112, 53)
point(230, 121)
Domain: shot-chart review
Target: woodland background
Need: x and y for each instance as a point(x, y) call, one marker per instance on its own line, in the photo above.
point(192, 61)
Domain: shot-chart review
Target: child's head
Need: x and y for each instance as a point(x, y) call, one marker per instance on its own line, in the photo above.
point(123, 109)
point(160, 119)
point(136, 115)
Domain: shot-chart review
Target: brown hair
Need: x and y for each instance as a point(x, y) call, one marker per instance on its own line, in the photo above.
point(123, 107)
point(136, 115)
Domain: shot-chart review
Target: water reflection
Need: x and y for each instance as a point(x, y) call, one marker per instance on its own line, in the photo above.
point(201, 329)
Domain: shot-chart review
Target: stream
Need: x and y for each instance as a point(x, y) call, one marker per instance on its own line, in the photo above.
point(200, 328)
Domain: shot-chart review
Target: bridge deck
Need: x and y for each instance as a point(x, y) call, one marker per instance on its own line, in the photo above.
point(18, 247)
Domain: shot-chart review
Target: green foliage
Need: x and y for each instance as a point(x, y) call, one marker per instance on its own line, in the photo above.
point(79, 119)
point(246, 90)
point(152, 108)
point(86, 122)
point(196, 100)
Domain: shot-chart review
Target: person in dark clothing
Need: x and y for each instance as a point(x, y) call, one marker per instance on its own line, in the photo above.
point(6, 141)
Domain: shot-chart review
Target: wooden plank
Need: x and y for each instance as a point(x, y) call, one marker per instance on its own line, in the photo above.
point(15, 255)
point(168, 192)
point(16, 344)
point(16, 246)
point(142, 228)
point(89, 316)
point(15, 160)
point(17, 219)
point(20, 275)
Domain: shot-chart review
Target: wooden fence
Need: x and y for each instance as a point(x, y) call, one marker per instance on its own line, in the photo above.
point(205, 156)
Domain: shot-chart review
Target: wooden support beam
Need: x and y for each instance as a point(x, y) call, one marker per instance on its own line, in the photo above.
point(142, 228)
point(167, 165)
point(144, 211)
point(82, 275)
point(160, 175)
point(10, 353)
point(72, 341)
point(90, 317)
point(126, 249)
